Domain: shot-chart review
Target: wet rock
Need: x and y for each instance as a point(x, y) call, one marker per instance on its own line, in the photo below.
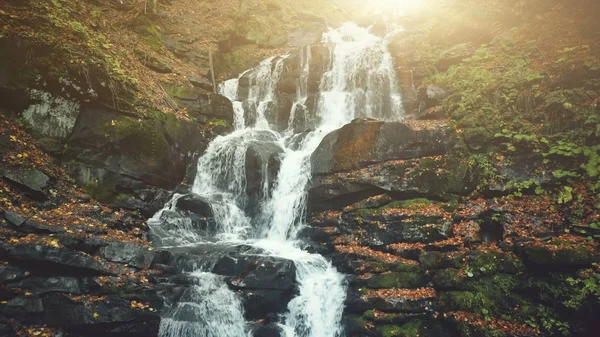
point(23, 306)
point(112, 316)
point(37, 285)
point(58, 257)
point(269, 330)
point(129, 202)
point(263, 160)
point(32, 181)
point(125, 252)
point(10, 273)
point(258, 272)
point(260, 303)
point(368, 158)
point(196, 204)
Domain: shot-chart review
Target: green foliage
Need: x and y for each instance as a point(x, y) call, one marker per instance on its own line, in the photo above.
point(517, 187)
point(548, 320)
point(587, 289)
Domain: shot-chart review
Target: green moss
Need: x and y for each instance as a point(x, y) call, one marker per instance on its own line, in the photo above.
point(413, 328)
point(395, 280)
point(469, 301)
point(563, 256)
point(431, 259)
point(411, 204)
point(486, 263)
point(217, 122)
point(138, 137)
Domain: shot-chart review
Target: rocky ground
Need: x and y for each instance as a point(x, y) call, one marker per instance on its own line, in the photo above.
point(66, 259)
point(445, 264)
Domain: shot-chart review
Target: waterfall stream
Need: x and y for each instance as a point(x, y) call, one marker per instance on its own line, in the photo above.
point(358, 81)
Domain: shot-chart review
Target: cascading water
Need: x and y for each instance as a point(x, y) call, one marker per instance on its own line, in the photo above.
point(359, 81)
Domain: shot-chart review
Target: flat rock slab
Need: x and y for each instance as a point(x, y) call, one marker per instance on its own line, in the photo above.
point(112, 315)
point(33, 181)
point(59, 256)
point(40, 285)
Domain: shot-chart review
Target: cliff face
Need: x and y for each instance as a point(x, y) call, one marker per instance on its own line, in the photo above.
point(122, 91)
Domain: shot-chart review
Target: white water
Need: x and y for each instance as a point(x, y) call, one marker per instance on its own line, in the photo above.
point(360, 82)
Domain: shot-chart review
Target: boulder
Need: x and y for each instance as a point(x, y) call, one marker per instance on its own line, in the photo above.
point(15, 219)
point(263, 160)
point(436, 177)
point(557, 255)
point(269, 330)
point(196, 204)
point(32, 181)
point(26, 307)
point(257, 272)
point(110, 152)
point(365, 141)
point(261, 303)
point(201, 82)
point(125, 252)
point(201, 104)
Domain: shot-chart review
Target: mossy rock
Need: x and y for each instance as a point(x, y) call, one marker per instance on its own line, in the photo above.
point(558, 256)
point(469, 301)
point(422, 231)
point(405, 267)
point(413, 328)
point(448, 279)
point(400, 305)
point(485, 263)
point(431, 259)
point(496, 286)
point(386, 318)
point(396, 280)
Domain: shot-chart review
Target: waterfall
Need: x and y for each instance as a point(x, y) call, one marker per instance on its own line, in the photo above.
point(255, 180)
